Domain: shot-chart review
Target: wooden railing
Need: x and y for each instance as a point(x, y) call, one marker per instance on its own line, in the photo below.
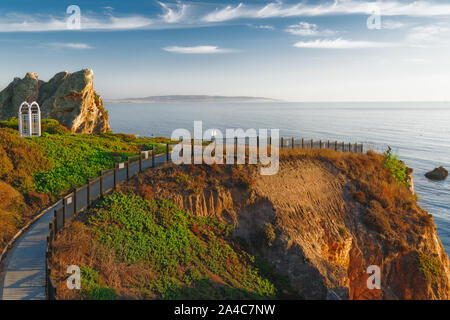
point(81, 198)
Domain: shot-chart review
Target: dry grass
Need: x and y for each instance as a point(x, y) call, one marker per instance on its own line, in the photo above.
point(390, 208)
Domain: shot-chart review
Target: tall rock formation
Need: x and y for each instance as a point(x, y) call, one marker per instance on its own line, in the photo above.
point(69, 98)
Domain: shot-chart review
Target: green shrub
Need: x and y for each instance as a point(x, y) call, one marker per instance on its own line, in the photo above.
point(91, 288)
point(396, 167)
point(429, 266)
point(52, 126)
point(269, 234)
point(12, 123)
point(168, 240)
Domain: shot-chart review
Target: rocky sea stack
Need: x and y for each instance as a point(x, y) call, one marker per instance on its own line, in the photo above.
point(69, 98)
point(437, 174)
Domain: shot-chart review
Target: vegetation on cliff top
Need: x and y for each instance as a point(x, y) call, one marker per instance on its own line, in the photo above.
point(41, 169)
point(179, 256)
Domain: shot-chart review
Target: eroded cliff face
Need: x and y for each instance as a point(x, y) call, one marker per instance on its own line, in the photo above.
point(326, 233)
point(69, 98)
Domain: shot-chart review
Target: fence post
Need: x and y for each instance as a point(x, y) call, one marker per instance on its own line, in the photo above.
point(257, 144)
point(167, 152)
point(320, 144)
point(88, 188)
point(349, 147)
point(64, 211)
point(153, 157)
point(328, 144)
point(140, 162)
point(303, 143)
point(75, 201)
point(55, 224)
point(115, 177)
point(128, 168)
point(293, 142)
point(281, 143)
point(335, 146)
point(312, 144)
point(192, 150)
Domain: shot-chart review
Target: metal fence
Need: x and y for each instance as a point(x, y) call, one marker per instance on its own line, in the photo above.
point(81, 198)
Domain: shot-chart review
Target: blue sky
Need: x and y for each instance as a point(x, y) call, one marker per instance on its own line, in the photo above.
point(334, 50)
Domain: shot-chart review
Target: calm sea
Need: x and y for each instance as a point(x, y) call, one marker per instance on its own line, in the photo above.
point(418, 132)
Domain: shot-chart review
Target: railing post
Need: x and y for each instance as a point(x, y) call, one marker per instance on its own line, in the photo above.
point(167, 152)
point(75, 201)
point(64, 211)
point(50, 234)
point(153, 157)
point(128, 168)
point(115, 177)
point(257, 145)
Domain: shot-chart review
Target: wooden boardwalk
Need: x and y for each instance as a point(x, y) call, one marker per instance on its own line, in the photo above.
point(23, 273)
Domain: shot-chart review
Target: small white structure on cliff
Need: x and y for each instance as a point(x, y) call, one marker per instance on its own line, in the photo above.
point(29, 119)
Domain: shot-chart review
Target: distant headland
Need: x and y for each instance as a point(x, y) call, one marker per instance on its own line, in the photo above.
point(191, 98)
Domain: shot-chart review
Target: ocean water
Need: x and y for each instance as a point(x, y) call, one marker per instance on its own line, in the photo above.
point(419, 133)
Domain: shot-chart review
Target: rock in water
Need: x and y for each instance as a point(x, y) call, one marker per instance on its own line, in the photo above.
point(437, 174)
point(69, 98)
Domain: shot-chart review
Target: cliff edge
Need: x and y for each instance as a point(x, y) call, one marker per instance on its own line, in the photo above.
point(321, 222)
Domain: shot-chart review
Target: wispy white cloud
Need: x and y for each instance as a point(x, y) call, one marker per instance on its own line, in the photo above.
point(77, 46)
point(391, 24)
point(308, 29)
point(261, 26)
point(429, 35)
point(340, 43)
point(173, 13)
point(26, 23)
point(198, 50)
point(227, 13)
point(280, 9)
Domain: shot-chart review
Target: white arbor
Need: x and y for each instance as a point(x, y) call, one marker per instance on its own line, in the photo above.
point(29, 119)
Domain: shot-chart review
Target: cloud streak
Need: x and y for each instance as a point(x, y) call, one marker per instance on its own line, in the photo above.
point(197, 50)
point(24, 23)
point(340, 43)
point(308, 29)
point(70, 45)
point(349, 7)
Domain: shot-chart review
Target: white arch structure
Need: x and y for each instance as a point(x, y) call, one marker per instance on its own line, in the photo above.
point(29, 119)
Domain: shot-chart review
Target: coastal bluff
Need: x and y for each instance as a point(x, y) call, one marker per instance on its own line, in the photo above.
point(67, 97)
